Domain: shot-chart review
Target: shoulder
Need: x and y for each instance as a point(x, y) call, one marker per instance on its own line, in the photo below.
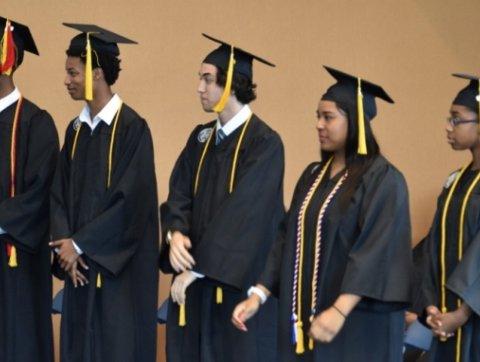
point(262, 130)
point(32, 111)
point(383, 172)
point(451, 178)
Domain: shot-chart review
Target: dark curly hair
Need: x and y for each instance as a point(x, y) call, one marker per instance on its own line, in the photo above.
point(109, 63)
point(242, 86)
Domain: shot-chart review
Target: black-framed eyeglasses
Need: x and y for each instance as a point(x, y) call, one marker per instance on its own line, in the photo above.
point(455, 121)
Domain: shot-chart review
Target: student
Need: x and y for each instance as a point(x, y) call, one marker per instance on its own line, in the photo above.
point(28, 155)
point(341, 266)
point(222, 213)
point(450, 295)
point(104, 213)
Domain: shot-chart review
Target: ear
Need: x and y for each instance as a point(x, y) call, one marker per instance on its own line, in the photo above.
point(98, 74)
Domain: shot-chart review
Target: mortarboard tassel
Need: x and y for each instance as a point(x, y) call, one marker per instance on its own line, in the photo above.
point(99, 280)
point(362, 143)
point(7, 58)
point(310, 344)
point(12, 260)
point(182, 320)
point(228, 85)
point(300, 342)
point(219, 296)
point(88, 71)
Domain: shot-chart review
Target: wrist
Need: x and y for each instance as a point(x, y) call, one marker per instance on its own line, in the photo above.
point(258, 294)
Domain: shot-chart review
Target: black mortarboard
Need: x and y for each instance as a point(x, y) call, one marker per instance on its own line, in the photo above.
point(102, 40)
point(470, 95)
point(96, 39)
point(243, 59)
point(22, 37)
point(357, 96)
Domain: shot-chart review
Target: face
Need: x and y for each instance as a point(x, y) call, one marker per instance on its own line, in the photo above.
point(75, 78)
point(463, 135)
point(332, 127)
point(208, 89)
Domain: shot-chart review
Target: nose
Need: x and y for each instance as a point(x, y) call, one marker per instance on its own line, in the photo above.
point(67, 80)
point(201, 87)
point(448, 127)
point(320, 123)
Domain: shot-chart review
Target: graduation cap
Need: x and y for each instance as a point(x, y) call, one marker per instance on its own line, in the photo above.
point(470, 95)
point(354, 92)
point(231, 59)
point(94, 39)
point(16, 38)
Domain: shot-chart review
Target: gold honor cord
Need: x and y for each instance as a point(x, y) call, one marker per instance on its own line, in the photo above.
point(11, 249)
point(461, 227)
point(110, 161)
point(299, 325)
point(218, 291)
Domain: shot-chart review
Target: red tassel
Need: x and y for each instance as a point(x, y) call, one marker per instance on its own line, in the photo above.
point(7, 59)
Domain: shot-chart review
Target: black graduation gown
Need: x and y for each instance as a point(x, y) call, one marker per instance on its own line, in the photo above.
point(231, 235)
point(463, 278)
point(365, 251)
point(26, 291)
point(117, 229)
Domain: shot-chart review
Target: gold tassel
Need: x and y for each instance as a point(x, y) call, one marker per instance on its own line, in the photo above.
point(99, 280)
point(12, 261)
point(300, 342)
point(362, 143)
point(228, 85)
point(310, 344)
point(219, 297)
point(88, 72)
point(182, 320)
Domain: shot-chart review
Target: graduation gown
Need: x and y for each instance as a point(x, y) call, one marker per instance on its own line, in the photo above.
point(231, 235)
point(117, 229)
point(365, 250)
point(26, 291)
point(462, 277)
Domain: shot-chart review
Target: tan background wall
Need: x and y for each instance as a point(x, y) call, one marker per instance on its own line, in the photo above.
point(409, 46)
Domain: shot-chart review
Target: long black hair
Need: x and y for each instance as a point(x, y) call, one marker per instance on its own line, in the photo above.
point(356, 164)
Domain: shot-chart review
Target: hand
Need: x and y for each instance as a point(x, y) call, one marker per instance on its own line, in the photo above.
point(244, 311)
point(326, 325)
point(180, 258)
point(444, 325)
point(67, 255)
point(180, 285)
point(76, 275)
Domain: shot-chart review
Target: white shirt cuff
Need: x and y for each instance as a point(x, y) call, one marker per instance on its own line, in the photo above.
point(77, 249)
point(2, 231)
point(197, 275)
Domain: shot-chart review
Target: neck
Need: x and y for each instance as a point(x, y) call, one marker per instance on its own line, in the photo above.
point(232, 107)
point(6, 85)
point(476, 157)
point(339, 159)
point(99, 101)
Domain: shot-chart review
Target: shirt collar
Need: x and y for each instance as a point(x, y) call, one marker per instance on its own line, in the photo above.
point(237, 120)
point(9, 99)
point(106, 114)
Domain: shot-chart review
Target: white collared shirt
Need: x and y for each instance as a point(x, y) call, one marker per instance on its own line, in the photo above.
point(237, 120)
point(106, 114)
point(9, 99)
point(6, 102)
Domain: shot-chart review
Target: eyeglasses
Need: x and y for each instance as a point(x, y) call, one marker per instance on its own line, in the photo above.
point(455, 121)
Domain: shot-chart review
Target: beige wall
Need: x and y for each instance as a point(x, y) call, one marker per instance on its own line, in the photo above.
point(409, 46)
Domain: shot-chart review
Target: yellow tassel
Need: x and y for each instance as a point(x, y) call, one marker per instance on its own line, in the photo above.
point(300, 342)
point(219, 298)
point(99, 280)
point(310, 344)
point(12, 262)
point(4, 43)
point(88, 72)
point(362, 143)
point(228, 85)
point(182, 320)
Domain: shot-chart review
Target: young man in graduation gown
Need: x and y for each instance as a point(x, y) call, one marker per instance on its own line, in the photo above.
point(222, 214)
point(28, 155)
point(449, 266)
point(104, 214)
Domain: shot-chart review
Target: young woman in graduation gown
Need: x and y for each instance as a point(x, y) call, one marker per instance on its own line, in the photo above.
point(449, 302)
point(341, 265)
